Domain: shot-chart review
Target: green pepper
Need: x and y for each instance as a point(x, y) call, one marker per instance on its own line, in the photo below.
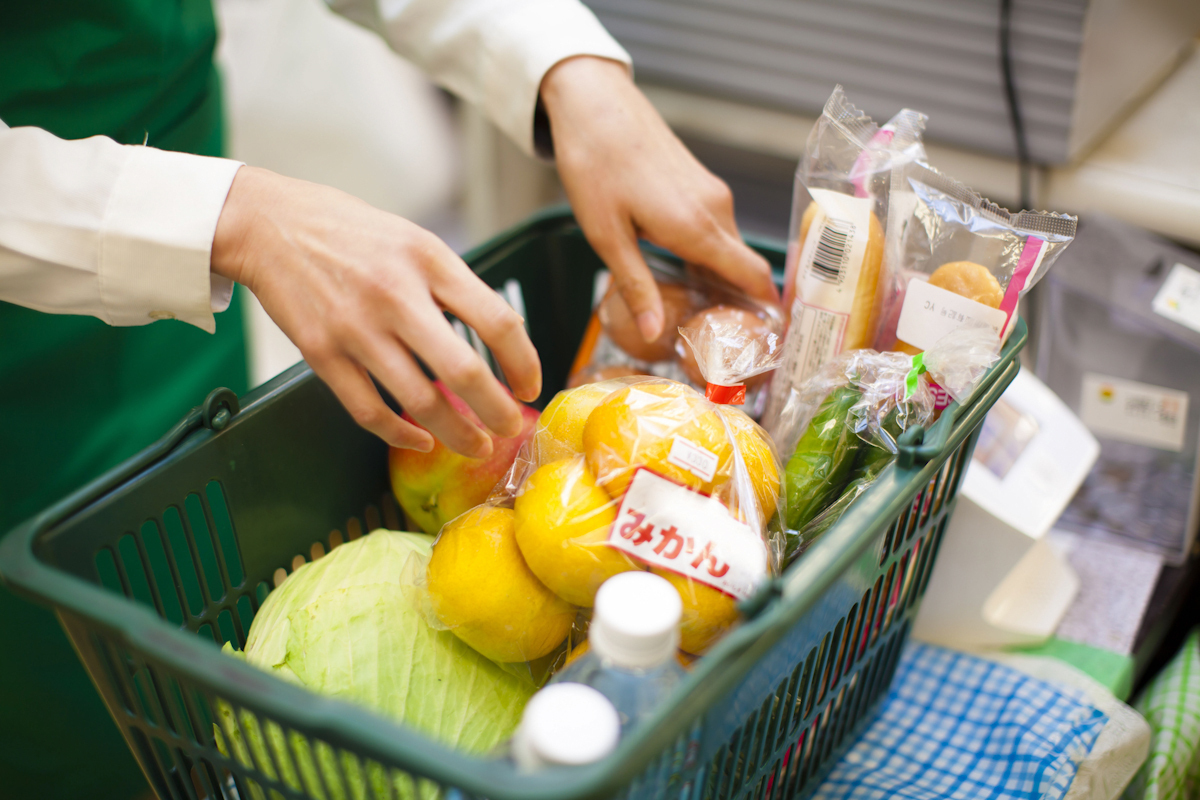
point(825, 454)
point(869, 462)
point(871, 457)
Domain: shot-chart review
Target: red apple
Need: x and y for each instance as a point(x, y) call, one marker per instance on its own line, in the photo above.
point(435, 487)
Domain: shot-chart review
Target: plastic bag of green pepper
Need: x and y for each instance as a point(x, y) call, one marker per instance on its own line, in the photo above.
point(841, 427)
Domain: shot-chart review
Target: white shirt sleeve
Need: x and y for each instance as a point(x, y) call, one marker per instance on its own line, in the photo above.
point(492, 53)
point(120, 232)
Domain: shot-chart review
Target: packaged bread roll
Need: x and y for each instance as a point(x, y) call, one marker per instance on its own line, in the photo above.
point(836, 246)
point(955, 258)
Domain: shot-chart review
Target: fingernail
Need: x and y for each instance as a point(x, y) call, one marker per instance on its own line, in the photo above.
point(650, 324)
point(484, 449)
point(532, 393)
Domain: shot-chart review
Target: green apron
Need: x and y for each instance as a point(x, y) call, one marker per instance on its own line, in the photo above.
point(76, 395)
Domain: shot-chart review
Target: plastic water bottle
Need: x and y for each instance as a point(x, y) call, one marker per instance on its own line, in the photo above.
point(565, 724)
point(632, 645)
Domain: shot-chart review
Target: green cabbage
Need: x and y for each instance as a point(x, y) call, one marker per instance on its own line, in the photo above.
point(349, 626)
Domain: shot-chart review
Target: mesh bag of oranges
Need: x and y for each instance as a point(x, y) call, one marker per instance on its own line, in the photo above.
point(613, 345)
point(633, 473)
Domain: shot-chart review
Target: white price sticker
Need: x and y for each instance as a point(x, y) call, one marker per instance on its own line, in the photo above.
point(930, 312)
point(1179, 298)
point(700, 461)
point(670, 526)
point(1134, 412)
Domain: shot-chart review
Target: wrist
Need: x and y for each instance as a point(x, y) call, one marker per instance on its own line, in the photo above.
point(229, 239)
point(581, 79)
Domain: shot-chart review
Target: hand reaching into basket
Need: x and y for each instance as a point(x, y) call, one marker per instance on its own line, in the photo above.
point(627, 175)
point(361, 292)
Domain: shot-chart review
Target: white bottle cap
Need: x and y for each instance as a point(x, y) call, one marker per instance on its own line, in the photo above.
point(636, 620)
point(566, 724)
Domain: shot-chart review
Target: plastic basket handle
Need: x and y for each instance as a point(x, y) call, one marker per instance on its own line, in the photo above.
point(918, 446)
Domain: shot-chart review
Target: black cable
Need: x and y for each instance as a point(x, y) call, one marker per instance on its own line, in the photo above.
point(1024, 167)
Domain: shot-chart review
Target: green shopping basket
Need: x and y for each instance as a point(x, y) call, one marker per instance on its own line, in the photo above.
point(155, 564)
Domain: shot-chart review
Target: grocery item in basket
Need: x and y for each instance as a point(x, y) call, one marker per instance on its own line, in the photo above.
point(564, 519)
point(953, 256)
point(481, 588)
point(840, 213)
point(613, 345)
point(678, 302)
point(635, 474)
point(435, 487)
point(849, 418)
point(751, 348)
point(565, 725)
point(820, 466)
point(348, 626)
point(633, 638)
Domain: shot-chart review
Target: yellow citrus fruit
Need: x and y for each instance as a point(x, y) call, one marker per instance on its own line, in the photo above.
point(562, 523)
point(707, 613)
point(638, 426)
point(753, 444)
point(560, 428)
point(579, 652)
point(482, 590)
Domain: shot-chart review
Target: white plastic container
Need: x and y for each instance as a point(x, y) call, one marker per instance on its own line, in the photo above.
point(633, 640)
point(567, 725)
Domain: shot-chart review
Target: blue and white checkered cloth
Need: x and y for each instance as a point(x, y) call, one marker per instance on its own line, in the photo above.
point(958, 727)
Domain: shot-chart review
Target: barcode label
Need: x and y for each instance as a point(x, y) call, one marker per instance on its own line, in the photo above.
point(827, 270)
point(833, 251)
point(832, 255)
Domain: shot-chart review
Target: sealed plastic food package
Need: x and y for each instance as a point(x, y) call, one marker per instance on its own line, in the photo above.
point(842, 427)
point(957, 361)
point(955, 257)
point(627, 474)
point(836, 243)
point(613, 345)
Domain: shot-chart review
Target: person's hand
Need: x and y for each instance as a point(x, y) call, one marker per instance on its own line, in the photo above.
point(628, 176)
point(361, 292)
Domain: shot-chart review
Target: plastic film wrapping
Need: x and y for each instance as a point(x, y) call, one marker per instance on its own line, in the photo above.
point(626, 474)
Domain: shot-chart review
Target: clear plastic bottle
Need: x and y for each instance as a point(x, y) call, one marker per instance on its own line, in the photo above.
point(565, 724)
point(632, 644)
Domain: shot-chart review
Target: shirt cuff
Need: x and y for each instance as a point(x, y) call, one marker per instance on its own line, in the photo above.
point(563, 30)
point(156, 244)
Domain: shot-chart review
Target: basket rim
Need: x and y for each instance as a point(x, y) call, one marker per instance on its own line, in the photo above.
point(372, 736)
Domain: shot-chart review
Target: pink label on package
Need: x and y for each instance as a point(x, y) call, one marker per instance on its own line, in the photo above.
point(670, 526)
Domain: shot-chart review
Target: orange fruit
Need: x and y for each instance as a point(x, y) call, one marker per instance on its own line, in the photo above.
point(560, 427)
point(707, 613)
point(638, 426)
point(562, 524)
point(761, 467)
point(484, 593)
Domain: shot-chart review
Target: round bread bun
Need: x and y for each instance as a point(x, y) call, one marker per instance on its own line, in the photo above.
point(753, 325)
point(621, 326)
point(966, 279)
